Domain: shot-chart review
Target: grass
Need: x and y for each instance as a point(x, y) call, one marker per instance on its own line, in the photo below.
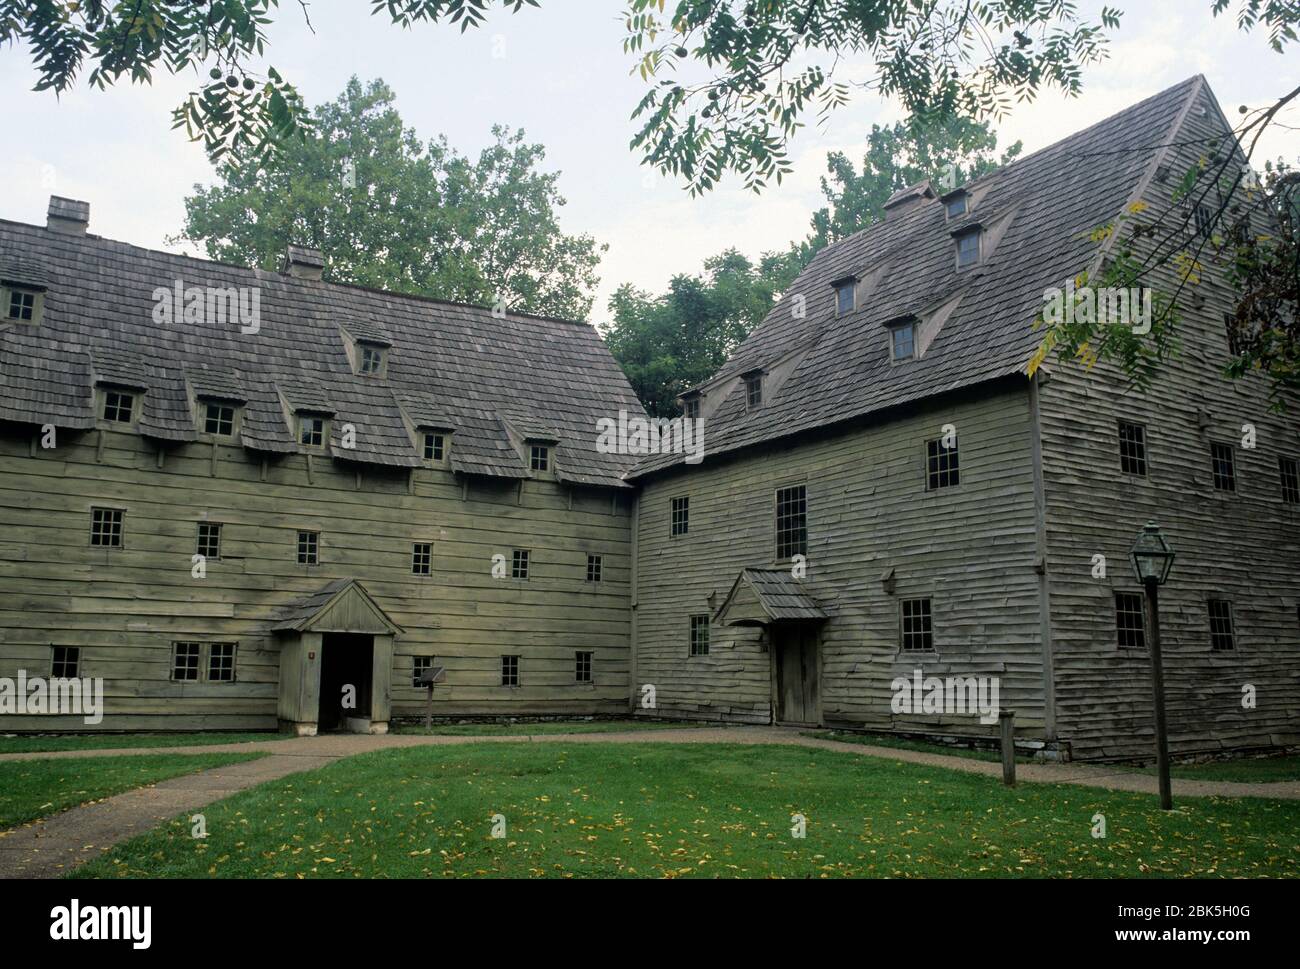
point(902, 743)
point(697, 810)
point(31, 789)
point(542, 727)
point(37, 744)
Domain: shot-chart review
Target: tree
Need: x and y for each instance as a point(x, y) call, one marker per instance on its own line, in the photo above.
point(669, 343)
point(394, 213)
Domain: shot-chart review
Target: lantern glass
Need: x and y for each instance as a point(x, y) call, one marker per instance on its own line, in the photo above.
point(1152, 556)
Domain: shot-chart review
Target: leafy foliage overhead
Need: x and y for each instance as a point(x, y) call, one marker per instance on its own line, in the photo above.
point(392, 212)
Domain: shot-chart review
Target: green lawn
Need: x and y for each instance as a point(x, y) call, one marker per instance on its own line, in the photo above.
point(902, 743)
point(530, 729)
point(693, 810)
point(31, 789)
point(24, 745)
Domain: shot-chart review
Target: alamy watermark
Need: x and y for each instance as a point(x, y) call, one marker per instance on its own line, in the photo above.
point(214, 306)
point(39, 696)
point(651, 435)
point(947, 695)
point(1104, 305)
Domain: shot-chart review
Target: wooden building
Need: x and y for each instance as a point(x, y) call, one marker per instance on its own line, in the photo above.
point(236, 517)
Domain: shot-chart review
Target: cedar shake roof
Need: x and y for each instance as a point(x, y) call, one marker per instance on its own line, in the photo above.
point(973, 323)
point(452, 367)
point(777, 595)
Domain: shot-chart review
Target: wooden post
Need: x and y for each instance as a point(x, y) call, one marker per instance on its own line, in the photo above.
point(428, 716)
point(1158, 691)
point(1007, 721)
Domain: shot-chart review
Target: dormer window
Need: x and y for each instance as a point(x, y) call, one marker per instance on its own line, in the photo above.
point(119, 407)
point(845, 296)
point(691, 407)
point(370, 359)
point(753, 391)
point(956, 205)
point(435, 446)
point(219, 419)
point(968, 248)
point(311, 431)
point(539, 457)
point(21, 305)
point(902, 341)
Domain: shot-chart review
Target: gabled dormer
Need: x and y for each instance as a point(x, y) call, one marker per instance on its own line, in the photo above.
point(22, 291)
point(692, 404)
point(368, 347)
point(956, 204)
point(218, 400)
point(434, 443)
point(118, 406)
point(753, 380)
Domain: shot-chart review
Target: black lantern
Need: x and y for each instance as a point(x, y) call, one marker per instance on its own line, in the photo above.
point(1152, 556)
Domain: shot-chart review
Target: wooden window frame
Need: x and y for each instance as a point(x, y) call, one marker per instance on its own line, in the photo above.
point(753, 391)
point(372, 359)
point(203, 541)
point(434, 447)
point(510, 671)
point(679, 514)
point(977, 234)
point(422, 559)
point(111, 398)
point(942, 465)
point(584, 661)
point(595, 568)
point(520, 564)
point(30, 301)
point(194, 667)
point(221, 662)
point(115, 528)
point(691, 408)
point(323, 432)
point(1289, 470)
point(418, 665)
point(698, 638)
point(1223, 627)
point(1223, 483)
point(916, 626)
point(1127, 634)
point(63, 658)
point(539, 458)
point(309, 548)
point(850, 287)
point(791, 534)
point(221, 408)
point(1132, 450)
point(894, 331)
point(961, 199)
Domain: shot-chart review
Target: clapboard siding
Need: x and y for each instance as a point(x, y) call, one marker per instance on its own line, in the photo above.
point(125, 607)
point(971, 548)
point(1244, 547)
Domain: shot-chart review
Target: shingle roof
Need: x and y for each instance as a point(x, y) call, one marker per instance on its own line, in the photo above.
point(778, 594)
point(449, 363)
point(299, 615)
point(1038, 209)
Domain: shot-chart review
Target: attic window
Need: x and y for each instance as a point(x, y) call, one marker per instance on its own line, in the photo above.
point(968, 248)
point(845, 293)
point(370, 359)
point(902, 341)
point(21, 305)
point(119, 406)
point(435, 446)
point(955, 205)
point(753, 391)
point(219, 420)
point(539, 457)
point(691, 407)
point(311, 431)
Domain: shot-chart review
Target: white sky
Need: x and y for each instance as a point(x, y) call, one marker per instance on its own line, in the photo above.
point(565, 80)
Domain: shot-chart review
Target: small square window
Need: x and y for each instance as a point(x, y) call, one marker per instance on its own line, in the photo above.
point(418, 667)
point(118, 406)
point(917, 627)
point(434, 447)
point(791, 521)
point(422, 558)
point(372, 359)
point(593, 568)
point(185, 661)
point(1290, 469)
point(509, 670)
point(754, 391)
point(22, 305)
point(519, 564)
point(311, 431)
point(845, 297)
point(691, 407)
point(1132, 448)
point(65, 662)
point(221, 663)
point(219, 420)
point(1225, 473)
point(902, 340)
point(699, 636)
point(1130, 628)
point(1221, 630)
point(955, 206)
point(106, 527)
point(582, 666)
point(209, 543)
point(539, 457)
point(680, 511)
point(941, 469)
point(309, 548)
point(968, 248)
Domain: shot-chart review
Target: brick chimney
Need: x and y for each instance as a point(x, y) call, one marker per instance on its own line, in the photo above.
point(68, 215)
point(302, 262)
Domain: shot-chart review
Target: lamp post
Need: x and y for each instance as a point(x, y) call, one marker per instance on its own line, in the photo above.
point(1152, 559)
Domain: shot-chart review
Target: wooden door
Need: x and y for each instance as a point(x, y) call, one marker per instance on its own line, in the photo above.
point(798, 676)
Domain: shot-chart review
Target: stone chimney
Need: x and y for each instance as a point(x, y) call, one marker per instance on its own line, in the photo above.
point(68, 215)
point(908, 199)
point(302, 262)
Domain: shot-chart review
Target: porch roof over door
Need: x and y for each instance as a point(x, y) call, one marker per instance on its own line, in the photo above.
point(762, 596)
point(342, 606)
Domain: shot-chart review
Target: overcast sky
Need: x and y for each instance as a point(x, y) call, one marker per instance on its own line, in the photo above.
point(565, 80)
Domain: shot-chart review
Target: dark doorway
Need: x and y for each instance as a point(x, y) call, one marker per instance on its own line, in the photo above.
point(347, 660)
point(798, 678)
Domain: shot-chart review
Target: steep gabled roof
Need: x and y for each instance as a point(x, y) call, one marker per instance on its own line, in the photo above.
point(974, 323)
point(761, 596)
point(457, 364)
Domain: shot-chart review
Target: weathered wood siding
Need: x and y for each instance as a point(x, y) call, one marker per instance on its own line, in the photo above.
point(1242, 546)
point(125, 607)
point(970, 548)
